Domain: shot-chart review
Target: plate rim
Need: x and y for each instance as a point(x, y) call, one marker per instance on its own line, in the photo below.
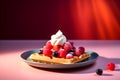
point(49, 65)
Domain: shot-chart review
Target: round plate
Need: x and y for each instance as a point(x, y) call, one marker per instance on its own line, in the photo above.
point(89, 61)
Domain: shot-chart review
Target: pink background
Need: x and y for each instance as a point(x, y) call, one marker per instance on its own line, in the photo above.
point(78, 19)
point(12, 67)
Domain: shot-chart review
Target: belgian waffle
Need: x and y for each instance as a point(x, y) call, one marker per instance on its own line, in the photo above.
point(36, 57)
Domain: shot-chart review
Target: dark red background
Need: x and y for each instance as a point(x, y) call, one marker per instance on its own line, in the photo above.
point(39, 19)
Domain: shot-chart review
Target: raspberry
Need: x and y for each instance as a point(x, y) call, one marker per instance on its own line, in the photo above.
point(111, 66)
point(72, 43)
point(68, 56)
point(74, 48)
point(99, 71)
point(77, 52)
point(49, 45)
point(67, 46)
point(47, 52)
point(82, 50)
point(56, 47)
point(62, 53)
point(44, 47)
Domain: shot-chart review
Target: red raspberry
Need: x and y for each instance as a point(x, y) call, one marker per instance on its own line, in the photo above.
point(68, 56)
point(47, 52)
point(74, 48)
point(77, 52)
point(49, 45)
point(82, 50)
point(44, 47)
point(56, 47)
point(67, 46)
point(111, 66)
point(62, 53)
point(72, 43)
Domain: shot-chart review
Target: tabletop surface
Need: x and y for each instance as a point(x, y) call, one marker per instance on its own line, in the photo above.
point(12, 67)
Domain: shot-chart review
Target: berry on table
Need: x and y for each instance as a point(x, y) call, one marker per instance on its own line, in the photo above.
point(111, 66)
point(99, 71)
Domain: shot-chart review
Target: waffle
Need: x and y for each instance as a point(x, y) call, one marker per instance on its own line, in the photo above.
point(36, 57)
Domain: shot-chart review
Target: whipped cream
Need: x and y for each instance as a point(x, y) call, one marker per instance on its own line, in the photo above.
point(58, 38)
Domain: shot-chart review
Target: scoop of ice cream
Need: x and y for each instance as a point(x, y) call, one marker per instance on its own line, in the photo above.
point(58, 38)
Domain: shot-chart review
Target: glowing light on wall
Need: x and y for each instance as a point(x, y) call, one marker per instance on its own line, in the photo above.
point(77, 19)
point(95, 19)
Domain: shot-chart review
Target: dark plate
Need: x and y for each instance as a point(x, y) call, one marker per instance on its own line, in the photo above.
point(84, 63)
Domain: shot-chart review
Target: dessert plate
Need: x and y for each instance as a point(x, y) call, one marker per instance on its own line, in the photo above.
point(89, 61)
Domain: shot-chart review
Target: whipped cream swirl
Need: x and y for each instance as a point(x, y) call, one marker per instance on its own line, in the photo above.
point(58, 38)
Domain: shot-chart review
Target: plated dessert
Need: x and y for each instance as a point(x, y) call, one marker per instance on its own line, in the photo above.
point(58, 50)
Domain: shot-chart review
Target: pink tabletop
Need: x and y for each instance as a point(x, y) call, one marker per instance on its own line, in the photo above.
point(12, 67)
